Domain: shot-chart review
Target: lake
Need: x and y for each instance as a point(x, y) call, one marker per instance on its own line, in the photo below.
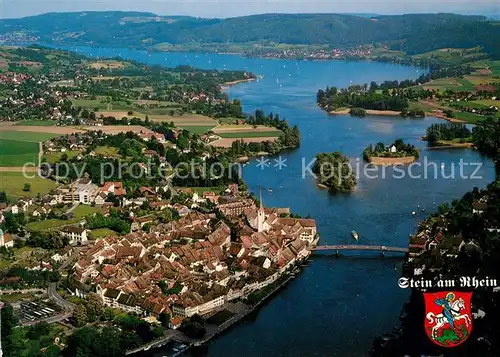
point(337, 305)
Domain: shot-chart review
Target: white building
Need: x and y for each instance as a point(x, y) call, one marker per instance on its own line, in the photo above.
point(80, 191)
point(201, 309)
point(75, 234)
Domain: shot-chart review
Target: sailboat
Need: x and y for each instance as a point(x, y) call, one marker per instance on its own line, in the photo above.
point(355, 235)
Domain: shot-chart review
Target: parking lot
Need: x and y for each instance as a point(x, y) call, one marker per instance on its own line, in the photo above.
point(35, 311)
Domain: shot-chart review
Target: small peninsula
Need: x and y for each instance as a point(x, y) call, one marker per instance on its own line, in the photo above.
point(334, 171)
point(398, 153)
point(448, 135)
point(360, 100)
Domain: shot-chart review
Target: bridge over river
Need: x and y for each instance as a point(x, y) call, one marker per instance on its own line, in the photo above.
point(360, 247)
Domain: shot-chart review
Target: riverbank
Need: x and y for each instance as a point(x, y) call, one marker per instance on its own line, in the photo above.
point(367, 111)
point(389, 161)
point(239, 317)
point(232, 83)
point(447, 144)
point(441, 115)
point(220, 329)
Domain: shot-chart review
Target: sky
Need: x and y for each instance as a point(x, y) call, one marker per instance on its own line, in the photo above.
point(230, 8)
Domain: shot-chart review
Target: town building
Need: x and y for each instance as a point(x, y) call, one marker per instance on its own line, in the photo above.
point(76, 235)
point(6, 240)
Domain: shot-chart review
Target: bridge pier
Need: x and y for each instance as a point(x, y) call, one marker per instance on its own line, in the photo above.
point(337, 253)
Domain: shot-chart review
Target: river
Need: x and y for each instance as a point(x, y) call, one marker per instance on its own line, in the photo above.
point(337, 305)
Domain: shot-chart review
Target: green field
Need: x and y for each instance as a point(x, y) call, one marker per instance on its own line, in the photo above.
point(421, 106)
point(488, 102)
point(84, 210)
point(468, 117)
point(37, 123)
point(248, 134)
point(55, 157)
point(493, 66)
point(107, 151)
point(26, 136)
point(200, 190)
point(13, 183)
point(197, 129)
point(466, 85)
point(17, 153)
point(102, 232)
point(80, 212)
point(90, 103)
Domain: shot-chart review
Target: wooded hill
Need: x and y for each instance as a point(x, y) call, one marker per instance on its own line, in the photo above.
point(412, 33)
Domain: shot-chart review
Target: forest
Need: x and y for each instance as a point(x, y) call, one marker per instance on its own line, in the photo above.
point(412, 33)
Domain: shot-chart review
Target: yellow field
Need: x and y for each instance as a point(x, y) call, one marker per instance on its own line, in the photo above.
point(107, 65)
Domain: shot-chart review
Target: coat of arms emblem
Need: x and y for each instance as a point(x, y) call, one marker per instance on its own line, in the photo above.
point(448, 317)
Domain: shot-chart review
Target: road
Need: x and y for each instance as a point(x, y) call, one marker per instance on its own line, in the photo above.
point(49, 320)
point(53, 294)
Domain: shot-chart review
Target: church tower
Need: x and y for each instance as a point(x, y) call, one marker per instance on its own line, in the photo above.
point(261, 216)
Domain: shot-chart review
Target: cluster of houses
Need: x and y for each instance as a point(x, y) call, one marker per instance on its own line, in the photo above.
point(196, 264)
point(429, 238)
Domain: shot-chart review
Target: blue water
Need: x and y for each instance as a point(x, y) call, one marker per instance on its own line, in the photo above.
point(336, 306)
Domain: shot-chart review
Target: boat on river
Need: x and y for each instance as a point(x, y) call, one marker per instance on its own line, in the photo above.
point(355, 235)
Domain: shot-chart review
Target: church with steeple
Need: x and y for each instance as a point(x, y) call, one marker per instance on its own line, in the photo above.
point(261, 215)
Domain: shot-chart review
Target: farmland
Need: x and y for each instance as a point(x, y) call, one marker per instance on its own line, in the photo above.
point(198, 129)
point(26, 136)
point(111, 64)
point(36, 133)
point(13, 183)
point(17, 153)
point(36, 122)
point(19, 148)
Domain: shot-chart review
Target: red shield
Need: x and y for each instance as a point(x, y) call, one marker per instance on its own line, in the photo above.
point(448, 317)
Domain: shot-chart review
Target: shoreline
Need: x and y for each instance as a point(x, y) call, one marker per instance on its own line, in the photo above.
point(451, 120)
point(222, 328)
point(232, 83)
point(390, 161)
point(368, 112)
point(446, 144)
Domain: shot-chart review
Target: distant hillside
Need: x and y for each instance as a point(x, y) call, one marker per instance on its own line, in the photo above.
point(414, 33)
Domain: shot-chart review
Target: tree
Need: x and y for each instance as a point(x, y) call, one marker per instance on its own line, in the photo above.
point(89, 342)
point(94, 306)
point(80, 315)
point(164, 318)
point(107, 314)
point(27, 187)
point(193, 327)
point(9, 321)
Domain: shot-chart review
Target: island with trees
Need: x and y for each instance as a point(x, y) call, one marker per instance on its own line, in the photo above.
point(397, 153)
point(448, 135)
point(360, 100)
point(333, 170)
